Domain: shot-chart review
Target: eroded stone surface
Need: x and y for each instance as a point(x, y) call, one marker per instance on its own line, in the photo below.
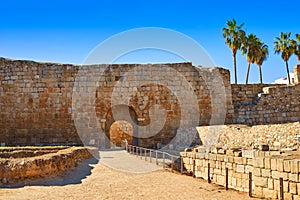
point(276, 136)
point(17, 169)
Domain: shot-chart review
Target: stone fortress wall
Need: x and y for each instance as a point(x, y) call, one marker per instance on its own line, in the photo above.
point(36, 101)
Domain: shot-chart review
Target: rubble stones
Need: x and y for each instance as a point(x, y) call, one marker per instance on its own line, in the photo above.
point(275, 136)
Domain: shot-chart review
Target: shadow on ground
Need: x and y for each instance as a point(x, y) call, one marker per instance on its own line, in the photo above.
point(73, 176)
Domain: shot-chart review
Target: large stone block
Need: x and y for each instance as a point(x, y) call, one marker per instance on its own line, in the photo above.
point(286, 165)
point(293, 187)
point(270, 194)
point(277, 175)
point(273, 164)
point(240, 168)
point(270, 184)
point(288, 196)
point(267, 163)
point(266, 173)
point(212, 156)
point(220, 157)
point(258, 191)
point(294, 177)
point(256, 171)
point(220, 179)
point(279, 166)
point(260, 181)
point(248, 153)
point(239, 160)
point(248, 169)
point(286, 186)
point(258, 162)
point(295, 166)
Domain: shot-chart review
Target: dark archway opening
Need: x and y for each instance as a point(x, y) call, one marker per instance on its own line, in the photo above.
point(120, 131)
point(119, 113)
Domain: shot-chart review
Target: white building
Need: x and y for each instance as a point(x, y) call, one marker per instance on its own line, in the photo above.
point(285, 80)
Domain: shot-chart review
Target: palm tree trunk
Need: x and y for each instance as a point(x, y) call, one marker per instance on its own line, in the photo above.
point(260, 75)
point(234, 66)
point(288, 71)
point(248, 71)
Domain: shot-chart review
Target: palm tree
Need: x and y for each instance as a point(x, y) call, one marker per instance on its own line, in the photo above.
point(250, 47)
point(284, 45)
point(234, 37)
point(261, 56)
point(296, 47)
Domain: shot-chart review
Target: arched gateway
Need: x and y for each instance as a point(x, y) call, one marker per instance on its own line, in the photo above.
point(49, 103)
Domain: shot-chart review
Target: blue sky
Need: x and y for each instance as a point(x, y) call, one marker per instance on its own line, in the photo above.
point(66, 31)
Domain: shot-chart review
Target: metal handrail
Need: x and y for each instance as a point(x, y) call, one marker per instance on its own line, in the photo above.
point(138, 151)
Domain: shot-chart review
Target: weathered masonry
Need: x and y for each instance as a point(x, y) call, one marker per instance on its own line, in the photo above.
point(232, 168)
point(37, 102)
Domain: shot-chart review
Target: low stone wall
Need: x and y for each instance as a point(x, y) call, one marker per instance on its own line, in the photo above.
point(276, 136)
point(25, 152)
point(17, 169)
point(266, 168)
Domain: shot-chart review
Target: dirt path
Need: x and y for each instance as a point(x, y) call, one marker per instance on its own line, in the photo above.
point(93, 180)
point(120, 160)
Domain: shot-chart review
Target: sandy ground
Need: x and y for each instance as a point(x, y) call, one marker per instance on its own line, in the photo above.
point(94, 180)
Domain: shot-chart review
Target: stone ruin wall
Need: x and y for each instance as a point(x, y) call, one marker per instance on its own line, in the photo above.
point(36, 102)
point(266, 104)
point(275, 136)
point(263, 115)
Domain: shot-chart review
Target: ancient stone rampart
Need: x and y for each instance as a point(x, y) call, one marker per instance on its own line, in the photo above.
point(42, 103)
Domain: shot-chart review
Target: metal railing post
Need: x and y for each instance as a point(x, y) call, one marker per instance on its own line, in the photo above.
point(281, 197)
point(208, 173)
point(132, 151)
point(250, 184)
point(226, 178)
point(194, 168)
point(140, 151)
point(181, 164)
point(172, 163)
point(164, 157)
